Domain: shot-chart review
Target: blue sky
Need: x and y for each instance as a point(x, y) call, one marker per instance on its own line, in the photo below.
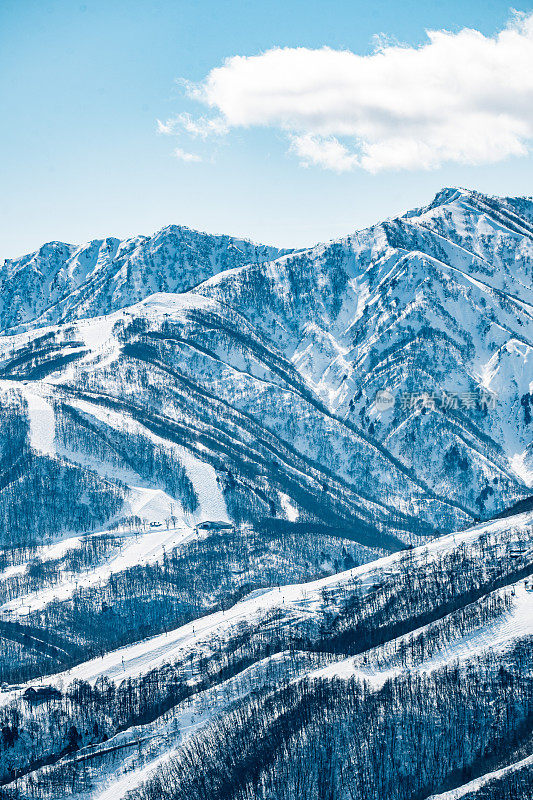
point(83, 85)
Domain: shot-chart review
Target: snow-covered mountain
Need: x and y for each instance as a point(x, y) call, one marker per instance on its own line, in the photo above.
point(245, 490)
point(434, 307)
point(380, 385)
point(61, 282)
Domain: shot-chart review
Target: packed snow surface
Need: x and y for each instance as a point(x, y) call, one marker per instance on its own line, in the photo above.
point(141, 548)
point(478, 783)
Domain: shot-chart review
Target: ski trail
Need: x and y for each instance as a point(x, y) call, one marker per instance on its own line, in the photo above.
point(477, 783)
point(203, 477)
point(42, 423)
point(146, 548)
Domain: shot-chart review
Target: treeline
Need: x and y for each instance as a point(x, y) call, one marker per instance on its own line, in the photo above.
point(49, 496)
point(42, 496)
point(208, 575)
point(41, 573)
point(387, 610)
point(24, 648)
point(422, 644)
point(515, 785)
point(334, 738)
point(420, 592)
point(81, 433)
point(23, 362)
point(215, 688)
point(40, 733)
point(197, 578)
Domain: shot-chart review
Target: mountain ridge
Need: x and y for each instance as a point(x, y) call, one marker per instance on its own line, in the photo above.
point(107, 274)
point(68, 258)
point(434, 308)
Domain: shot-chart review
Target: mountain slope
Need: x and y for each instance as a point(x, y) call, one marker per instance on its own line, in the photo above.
point(61, 282)
point(451, 620)
point(434, 307)
point(241, 493)
point(273, 373)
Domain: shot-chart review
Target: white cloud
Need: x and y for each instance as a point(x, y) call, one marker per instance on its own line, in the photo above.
point(183, 155)
point(200, 127)
point(167, 128)
point(461, 97)
point(327, 153)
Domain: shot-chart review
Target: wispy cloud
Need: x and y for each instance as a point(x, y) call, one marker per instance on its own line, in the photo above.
point(183, 155)
point(461, 97)
point(201, 127)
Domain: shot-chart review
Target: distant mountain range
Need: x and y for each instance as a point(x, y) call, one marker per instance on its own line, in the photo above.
point(377, 385)
point(63, 282)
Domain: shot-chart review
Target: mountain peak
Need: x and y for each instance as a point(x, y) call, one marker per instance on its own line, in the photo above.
point(445, 196)
point(61, 282)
